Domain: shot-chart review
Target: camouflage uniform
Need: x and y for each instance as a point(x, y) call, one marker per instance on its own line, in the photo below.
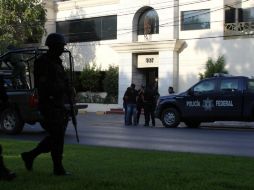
point(52, 84)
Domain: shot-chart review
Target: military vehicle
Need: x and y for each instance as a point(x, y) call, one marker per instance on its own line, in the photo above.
point(16, 68)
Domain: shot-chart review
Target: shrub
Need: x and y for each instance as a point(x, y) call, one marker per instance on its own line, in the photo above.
point(94, 80)
point(213, 67)
point(90, 78)
point(77, 81)
point(110, 84)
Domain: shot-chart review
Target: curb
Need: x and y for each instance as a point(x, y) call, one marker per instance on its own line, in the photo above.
point(236, 125)
point(100, 113)
point(82, 111)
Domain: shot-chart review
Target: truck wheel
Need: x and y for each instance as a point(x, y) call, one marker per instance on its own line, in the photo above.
point(170, 117)
point(10, 121)
point(192, 124)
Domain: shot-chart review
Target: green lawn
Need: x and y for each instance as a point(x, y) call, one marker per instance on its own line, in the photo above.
point(97, 168)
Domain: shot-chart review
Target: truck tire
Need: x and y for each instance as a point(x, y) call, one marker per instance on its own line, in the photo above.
point(10, 121)
point(192, 124)
point(170, 117)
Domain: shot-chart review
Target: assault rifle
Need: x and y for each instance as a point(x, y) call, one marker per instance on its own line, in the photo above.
point(74, 120)
point(73, 113)
point(73, 110)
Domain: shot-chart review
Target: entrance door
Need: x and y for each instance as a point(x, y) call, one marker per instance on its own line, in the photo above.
point(151, 76)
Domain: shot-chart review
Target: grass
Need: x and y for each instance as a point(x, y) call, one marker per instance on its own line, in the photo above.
point(98, 168)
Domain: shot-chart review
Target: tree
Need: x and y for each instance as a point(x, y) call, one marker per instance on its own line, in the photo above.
point(21, 21)
point(90, 78)
point(110, 84)
point(213, 67)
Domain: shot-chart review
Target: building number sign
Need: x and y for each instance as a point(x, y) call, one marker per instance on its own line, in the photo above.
point(146, 61)
point(149, 60)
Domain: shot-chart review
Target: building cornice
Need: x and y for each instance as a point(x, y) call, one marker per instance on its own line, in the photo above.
point(153, 46)
point(76, 4)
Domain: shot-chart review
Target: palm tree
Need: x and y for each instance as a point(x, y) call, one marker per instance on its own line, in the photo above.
point(213, 67)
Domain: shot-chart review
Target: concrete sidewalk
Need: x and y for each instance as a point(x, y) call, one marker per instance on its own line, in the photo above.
point(217, 124)
point(230, 124)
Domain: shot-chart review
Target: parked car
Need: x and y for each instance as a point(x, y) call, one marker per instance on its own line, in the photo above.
point(219, 98)
point(23, 101)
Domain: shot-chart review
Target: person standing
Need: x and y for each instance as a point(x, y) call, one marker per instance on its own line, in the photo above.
point(125, 107)
point(171, 90)
point(52, 85)
point(130, 97)
point(149, 105)
point(5, 174)
point(140, 103)
point(19, 68)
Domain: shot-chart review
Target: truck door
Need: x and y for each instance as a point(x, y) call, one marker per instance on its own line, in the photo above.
point(228, 103)
point(199, 102)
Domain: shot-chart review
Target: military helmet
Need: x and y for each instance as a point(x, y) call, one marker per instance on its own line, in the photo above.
point(55, 38)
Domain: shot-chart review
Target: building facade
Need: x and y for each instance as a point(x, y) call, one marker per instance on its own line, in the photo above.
point(159, 42)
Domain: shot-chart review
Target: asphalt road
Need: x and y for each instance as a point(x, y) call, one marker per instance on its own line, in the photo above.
point(108, 130)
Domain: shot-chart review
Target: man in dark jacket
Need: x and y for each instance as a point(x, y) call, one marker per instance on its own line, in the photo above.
point(52, 84)
point(5, 174)
point(149, 105)
point(171, 90)
point(140, 102)
point(130, 97)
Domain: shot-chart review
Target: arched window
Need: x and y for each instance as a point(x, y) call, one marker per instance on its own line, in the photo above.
point(148, 22)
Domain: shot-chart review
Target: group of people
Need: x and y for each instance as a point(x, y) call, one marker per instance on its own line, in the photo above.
point(51, 82)
point(136, 100)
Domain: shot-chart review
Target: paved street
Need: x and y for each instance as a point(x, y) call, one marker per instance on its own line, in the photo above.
point(108, 130)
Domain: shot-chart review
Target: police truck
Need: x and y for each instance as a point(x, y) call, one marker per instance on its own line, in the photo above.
point(219, 98)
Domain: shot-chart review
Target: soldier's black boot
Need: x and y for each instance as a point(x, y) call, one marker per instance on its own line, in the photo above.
point(60, 171)
point(42, 147)
point(5, 174)
point(58, 167)
point(28, 159)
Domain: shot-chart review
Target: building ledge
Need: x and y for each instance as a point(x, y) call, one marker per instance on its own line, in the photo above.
point(151, 46)
point(76, 4)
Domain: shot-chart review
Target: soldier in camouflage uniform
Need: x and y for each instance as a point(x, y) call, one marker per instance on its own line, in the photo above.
point(52, 84)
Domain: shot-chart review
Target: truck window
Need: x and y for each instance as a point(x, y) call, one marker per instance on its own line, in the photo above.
point(204, 87)
point(229, 85)
point(4, 66)
point(251, 85)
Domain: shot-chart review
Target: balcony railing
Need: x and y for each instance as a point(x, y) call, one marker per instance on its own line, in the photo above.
point(240, 29)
